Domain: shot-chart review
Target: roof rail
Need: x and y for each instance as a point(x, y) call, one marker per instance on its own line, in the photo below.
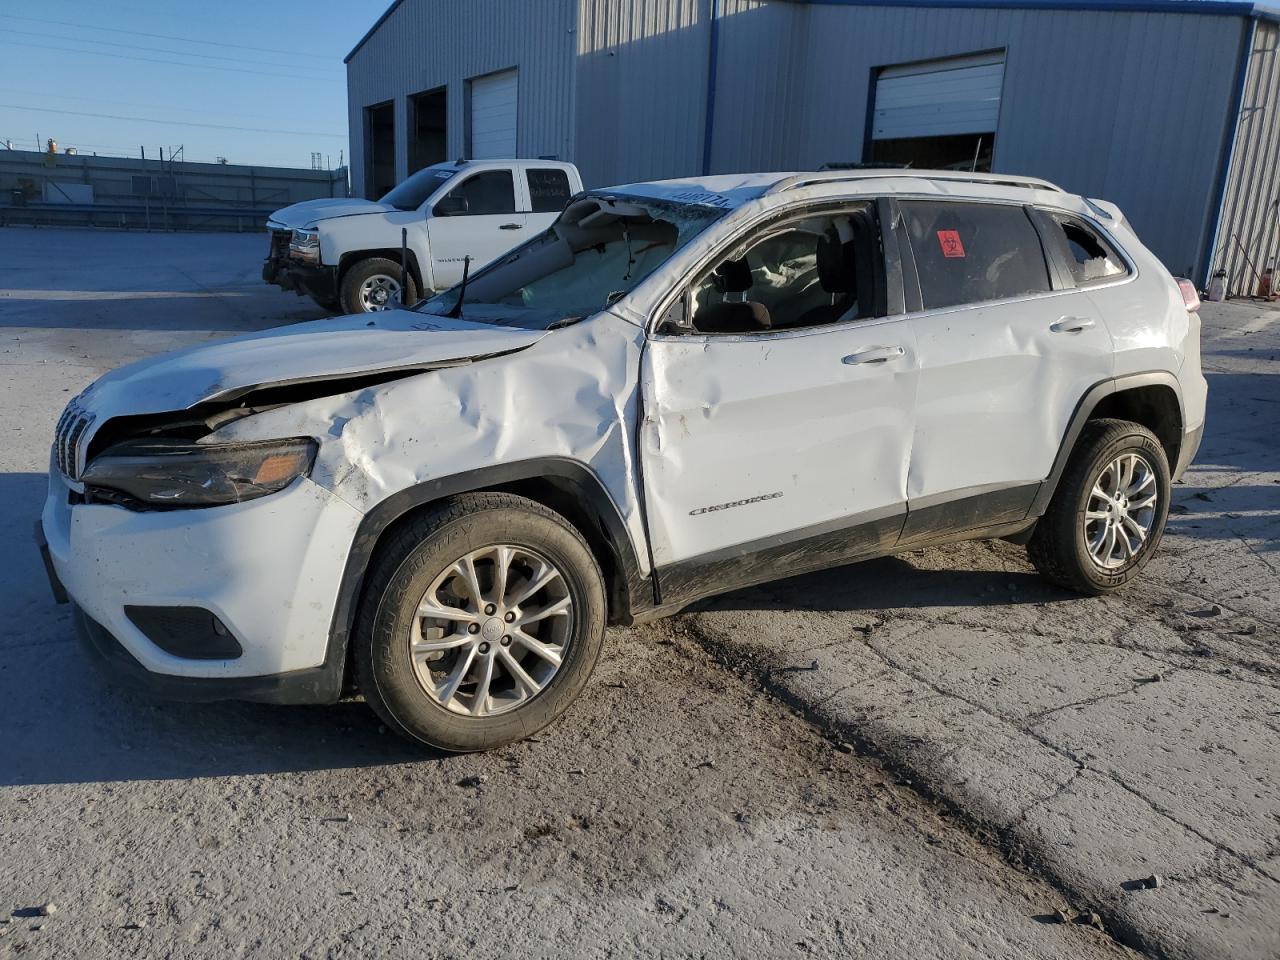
point(839, 176)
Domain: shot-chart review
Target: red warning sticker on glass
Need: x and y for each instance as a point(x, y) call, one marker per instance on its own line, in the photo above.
point(949, 240)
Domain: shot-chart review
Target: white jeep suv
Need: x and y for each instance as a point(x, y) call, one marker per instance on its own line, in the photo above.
point(678, 389)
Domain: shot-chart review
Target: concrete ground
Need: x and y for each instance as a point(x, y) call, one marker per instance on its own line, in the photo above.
point(1015, 751)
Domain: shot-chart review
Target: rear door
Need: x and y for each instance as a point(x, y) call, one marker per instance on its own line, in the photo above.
point(549, 191)
point(478, 218)
point(1007, 348)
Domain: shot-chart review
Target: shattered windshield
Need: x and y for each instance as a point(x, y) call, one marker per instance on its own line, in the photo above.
point(599, 250)
point(413, 193)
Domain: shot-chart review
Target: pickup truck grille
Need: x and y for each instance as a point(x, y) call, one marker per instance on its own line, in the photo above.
point(279, 244)
point(67, 436)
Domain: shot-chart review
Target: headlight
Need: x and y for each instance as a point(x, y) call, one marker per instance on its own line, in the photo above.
point(176, 473)
point(305, 244)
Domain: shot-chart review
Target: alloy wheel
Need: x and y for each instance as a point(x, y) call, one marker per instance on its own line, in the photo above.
point(1121, 511)
point(491, 631)
point(379, 292)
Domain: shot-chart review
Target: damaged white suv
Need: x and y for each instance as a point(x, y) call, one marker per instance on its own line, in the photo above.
point(679, 389)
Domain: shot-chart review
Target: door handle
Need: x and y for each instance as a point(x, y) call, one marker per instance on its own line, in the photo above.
point(874, 355)
point(1071, 325)
point(510, 226)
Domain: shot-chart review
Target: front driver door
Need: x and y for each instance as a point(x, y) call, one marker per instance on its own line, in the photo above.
point(476, 218)
point(770, 452)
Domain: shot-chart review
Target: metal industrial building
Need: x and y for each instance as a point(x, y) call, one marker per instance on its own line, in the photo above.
point(1170, 108)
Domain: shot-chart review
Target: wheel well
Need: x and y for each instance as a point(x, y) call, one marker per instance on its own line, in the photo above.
point(572, 502)
point(347, 259)
point(1155, 407)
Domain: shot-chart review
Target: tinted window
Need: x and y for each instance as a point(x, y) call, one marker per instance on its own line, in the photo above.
point(484, 194)
point(548, 190)
point(972, 252)
point(1090, 258)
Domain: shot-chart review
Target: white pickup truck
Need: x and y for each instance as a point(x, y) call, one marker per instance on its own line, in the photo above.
point(345, 253)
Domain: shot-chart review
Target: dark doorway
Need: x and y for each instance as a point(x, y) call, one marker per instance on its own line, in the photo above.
point(380, 149)
point(965, 151)
point(428, 142)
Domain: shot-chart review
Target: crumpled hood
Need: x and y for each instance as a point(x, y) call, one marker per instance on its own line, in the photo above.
point(309, 211)
point(319, 350)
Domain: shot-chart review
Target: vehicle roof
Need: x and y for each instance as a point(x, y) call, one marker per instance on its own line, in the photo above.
point(502, 162)
point(734, 190)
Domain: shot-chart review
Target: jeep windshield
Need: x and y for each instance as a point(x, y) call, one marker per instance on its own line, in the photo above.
point(599, 250)
point(414, 192)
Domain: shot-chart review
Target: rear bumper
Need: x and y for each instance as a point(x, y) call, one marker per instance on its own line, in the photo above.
point(1188, 449)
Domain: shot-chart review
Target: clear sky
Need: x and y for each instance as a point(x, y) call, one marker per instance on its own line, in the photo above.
point(256, 82)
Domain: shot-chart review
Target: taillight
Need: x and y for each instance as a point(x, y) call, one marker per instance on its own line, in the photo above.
point(1190, 296)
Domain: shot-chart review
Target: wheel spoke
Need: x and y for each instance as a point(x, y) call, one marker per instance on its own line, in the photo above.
point(539, 581)
point(438, 611)
point(526, 683)
point(1143, 504)
point(558, 609)
point(1133, 526)
point(446, 690)
point(545, 651)
point(1096, 515)
point(1148, 478)
point(480, 702)
point(502, 557)
point(423, 647)
point(1123, 541)
point(466, 570)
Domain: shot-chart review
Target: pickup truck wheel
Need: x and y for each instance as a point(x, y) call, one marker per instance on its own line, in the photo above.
point(481, 623)
point(374, 284)
point(1107, 516)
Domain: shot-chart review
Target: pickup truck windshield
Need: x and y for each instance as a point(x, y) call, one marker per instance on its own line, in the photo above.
point(413, 193)
point(599, 250)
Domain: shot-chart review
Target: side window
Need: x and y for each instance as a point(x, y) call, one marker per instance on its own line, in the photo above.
point(1090, 258)
point(804, 273)
point(487, 193)
point(548, 190)
point(973, 252)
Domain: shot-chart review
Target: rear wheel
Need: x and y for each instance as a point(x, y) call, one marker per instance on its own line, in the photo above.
point(374, 284)
point(1107, 516)
point(482, 622)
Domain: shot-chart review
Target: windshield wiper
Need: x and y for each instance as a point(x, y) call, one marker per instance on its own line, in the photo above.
point(456, 312)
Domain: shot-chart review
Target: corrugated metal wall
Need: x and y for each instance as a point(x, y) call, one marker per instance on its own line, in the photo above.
point(642, 73)
point(426, 44)
point(1130, 107)
point(1249, 233)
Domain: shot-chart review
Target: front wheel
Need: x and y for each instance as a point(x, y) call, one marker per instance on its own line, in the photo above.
point(481, 623)
point(374, 284)
point(1107, 516)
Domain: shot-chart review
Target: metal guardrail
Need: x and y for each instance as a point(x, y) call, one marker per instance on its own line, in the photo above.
point(153, 216)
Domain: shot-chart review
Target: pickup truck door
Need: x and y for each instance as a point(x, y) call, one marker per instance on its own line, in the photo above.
point(478, 218)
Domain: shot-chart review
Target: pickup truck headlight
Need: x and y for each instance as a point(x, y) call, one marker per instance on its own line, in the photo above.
point(305, 245)
point(176, 473)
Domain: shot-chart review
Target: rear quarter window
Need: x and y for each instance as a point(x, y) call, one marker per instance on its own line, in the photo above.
point(974, 252)
point(1089, 256)
point(548, 190)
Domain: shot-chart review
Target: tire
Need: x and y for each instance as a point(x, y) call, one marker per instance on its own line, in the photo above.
point(356, 297)
point(1071, 549)
point(398, 685)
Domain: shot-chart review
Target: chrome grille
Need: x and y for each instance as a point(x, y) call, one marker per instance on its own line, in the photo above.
point(66, 438)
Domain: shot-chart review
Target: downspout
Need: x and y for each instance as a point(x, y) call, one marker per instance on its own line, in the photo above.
point(713, 55)
point(1228, 154)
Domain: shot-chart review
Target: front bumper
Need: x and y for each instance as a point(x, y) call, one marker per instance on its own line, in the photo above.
point(282, 270)
point(268, 569)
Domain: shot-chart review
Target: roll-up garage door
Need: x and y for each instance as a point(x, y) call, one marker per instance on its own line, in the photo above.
point(493, 116)
point(939, 98)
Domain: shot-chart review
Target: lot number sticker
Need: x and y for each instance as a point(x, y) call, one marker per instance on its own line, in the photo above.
point(949, 240)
